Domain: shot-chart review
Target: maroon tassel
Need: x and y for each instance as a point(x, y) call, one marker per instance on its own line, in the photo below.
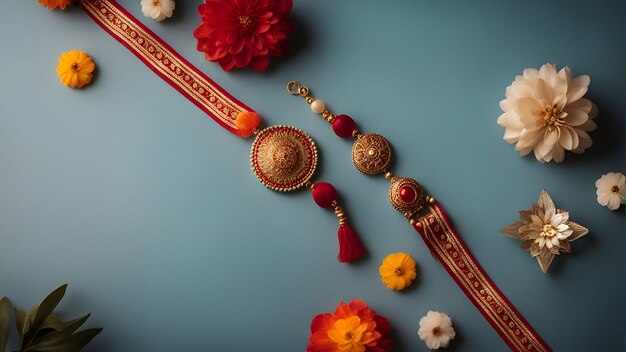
point(350, 248)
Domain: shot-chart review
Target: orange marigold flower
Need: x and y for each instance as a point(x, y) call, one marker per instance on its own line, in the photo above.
point(352, 327)
point(398, 271)
point(75, 69)
point(53, 4)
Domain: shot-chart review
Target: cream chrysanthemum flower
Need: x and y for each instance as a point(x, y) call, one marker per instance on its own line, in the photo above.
point(545, 231)
point(611, 189)
point(436, 330)
point(545, 112)
point(158, 9)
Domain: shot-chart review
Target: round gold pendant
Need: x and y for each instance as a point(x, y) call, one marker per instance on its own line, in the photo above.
point(406, 195)
point(371, 154)
point(283, 158)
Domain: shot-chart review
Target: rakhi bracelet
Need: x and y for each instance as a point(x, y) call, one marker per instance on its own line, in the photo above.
point(283, 158)
point(371, 155)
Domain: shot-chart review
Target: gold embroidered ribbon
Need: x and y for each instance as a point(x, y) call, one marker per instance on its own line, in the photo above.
point(166, 62)
point(446, 245)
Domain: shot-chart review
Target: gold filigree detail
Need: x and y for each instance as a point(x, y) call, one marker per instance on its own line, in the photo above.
point(283, 158)
point(371, 154)
point(407, 206)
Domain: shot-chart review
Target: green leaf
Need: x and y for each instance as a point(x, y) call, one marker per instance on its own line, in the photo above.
point(5, 311)
point(46, 307)
point(20, 319)
point(52, 321)
point(63, 342)
point(30, 316)
point(52, 338)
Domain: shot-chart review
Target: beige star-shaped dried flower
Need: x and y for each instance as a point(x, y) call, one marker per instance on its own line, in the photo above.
point(545, 231)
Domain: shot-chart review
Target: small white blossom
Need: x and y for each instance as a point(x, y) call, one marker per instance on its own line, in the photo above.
point(158, 9)
point(436, 330)
point(611, 189)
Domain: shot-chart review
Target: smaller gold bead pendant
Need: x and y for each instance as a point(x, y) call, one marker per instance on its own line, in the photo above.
point(406, 195)
point(283, 158)
point(371, 154)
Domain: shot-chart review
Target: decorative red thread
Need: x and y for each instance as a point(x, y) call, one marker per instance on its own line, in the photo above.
point(350, 247)
point(439, 244)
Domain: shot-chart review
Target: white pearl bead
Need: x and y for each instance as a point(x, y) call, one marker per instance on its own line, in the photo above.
point(318, 106)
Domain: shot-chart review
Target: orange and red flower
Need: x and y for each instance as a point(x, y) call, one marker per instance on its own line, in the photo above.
point(244, 32)
point(353, 327)
point(53, 4)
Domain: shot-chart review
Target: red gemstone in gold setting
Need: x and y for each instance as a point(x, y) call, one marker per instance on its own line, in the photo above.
point(408, 194)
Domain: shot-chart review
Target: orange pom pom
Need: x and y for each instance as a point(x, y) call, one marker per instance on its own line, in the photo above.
point(247, 122)
point(53, 4)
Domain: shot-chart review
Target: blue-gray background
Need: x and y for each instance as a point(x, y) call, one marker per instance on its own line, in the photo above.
point(149, 211)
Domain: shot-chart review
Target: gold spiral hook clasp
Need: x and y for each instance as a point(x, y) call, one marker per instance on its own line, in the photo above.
point(296, 88)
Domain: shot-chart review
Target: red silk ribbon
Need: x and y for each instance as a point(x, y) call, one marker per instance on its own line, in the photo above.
point(446, 245)
point(436, 230)
point(166, 62)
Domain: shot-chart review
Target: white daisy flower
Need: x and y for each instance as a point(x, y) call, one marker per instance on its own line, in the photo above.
point(158, 9)
point(436, 330)
point(611, 189)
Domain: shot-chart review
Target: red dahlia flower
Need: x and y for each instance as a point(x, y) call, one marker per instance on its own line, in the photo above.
point(238, 33)
point(353, 327)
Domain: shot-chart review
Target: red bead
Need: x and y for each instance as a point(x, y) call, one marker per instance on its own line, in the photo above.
point(344, 125)
point(324, 194)
point(408, 194)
